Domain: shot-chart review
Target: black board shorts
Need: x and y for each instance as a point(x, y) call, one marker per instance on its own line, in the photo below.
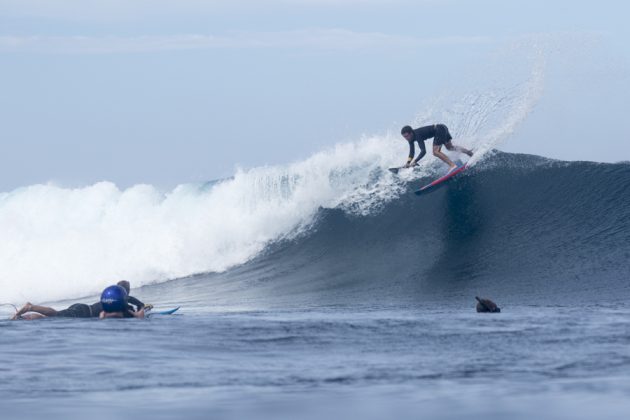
point(442, 135)
point(78, 310)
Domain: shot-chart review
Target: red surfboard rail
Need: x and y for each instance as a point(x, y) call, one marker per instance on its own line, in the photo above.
point(437, 182)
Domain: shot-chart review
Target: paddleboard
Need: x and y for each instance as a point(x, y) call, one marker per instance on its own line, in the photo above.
point(440, 181)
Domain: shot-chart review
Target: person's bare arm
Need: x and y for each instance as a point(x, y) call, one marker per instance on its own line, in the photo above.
point(106, 315)
point(138, 314)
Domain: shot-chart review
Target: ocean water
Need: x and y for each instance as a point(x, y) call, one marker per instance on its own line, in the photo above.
point(369, 362)
point(371, 315)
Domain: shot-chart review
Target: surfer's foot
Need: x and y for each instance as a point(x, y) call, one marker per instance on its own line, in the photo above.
point(469, 153)
point(26, 308)
point(452, 168)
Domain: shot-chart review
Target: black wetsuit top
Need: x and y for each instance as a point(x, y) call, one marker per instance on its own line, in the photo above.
point(96, 309)
point(420, 135)
point(135, 302)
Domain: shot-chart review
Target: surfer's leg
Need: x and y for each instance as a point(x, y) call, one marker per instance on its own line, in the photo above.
point(451, 146)
point(32, 316)
point(438, 153)
point(44, 310)
point(29, 307)
point(24, 309)
point(460, 149)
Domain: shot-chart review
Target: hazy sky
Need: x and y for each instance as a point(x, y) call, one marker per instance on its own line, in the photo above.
point(175, 91)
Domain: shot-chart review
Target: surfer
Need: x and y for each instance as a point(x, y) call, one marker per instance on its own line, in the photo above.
point(441, 137)
point(77, 310)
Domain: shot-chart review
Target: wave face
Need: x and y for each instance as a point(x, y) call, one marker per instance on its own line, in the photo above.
point(520, 228)
point(62, 243)
point(515, 225)
point(327, 217)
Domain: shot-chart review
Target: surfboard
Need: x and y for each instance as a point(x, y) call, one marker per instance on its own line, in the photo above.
point(440, 181)
point(396, 170)
point(167, 312)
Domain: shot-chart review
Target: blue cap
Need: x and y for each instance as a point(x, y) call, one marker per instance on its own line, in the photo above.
point(114, 299)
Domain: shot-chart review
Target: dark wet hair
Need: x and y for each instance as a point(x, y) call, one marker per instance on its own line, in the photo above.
point(125, 285)
point(406, 129)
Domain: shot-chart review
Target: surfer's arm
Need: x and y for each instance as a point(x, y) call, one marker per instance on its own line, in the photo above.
point(138, 314)
point(125, 314)
point(135, 302)
point(423, 151)
point(412, 152)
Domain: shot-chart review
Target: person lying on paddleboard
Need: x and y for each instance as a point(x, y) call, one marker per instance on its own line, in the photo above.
point(441, 137)
point(77, 310)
